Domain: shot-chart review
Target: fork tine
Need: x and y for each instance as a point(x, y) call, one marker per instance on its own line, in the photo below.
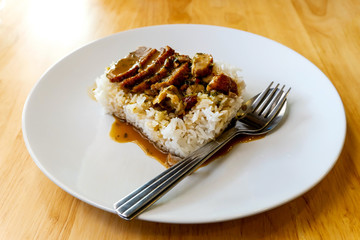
point(279, 104)
point(266, 101)
point(260, 98)
point(273, 101)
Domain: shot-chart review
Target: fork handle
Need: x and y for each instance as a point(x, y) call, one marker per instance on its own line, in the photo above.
point(136, 202)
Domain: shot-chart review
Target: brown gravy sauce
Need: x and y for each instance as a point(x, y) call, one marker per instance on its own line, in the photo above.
point(124, 64)
point(123, 132)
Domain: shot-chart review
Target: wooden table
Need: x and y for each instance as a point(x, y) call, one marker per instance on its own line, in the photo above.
point(34, 34)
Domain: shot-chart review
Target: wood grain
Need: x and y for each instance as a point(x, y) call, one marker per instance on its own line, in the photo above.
point(37, 33)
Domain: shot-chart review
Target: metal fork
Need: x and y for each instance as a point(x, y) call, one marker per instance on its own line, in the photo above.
point(258, 114)
point(261, 109)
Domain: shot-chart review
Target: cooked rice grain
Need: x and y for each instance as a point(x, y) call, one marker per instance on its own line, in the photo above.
point(203, 123)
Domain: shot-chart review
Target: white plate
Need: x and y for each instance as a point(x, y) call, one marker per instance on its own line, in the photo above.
point(67, 133)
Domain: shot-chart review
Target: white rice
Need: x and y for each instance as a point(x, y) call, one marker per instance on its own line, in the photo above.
point(203, 123)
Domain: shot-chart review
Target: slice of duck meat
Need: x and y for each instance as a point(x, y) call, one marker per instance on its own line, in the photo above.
point(145, 61)
point(201, 65)
point(170, 64)
point(177, 77)
point(150, 70)
point(129, 66)
point(162, 73)
point(222, 83)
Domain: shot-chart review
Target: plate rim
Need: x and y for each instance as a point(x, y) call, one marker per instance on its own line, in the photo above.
point(82, 198)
